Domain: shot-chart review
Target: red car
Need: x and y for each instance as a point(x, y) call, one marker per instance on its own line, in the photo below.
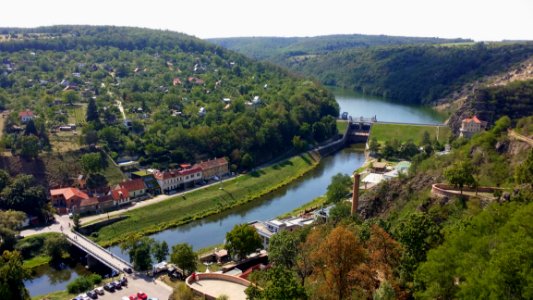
point(133, 297)
point(142, 296)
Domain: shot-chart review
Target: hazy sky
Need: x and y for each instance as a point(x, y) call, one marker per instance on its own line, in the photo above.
point(480, 20)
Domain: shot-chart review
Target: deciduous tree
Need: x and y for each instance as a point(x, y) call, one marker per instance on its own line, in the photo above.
point(242, 240)
point(184, 257)
point(12, 276)
point(339, 187)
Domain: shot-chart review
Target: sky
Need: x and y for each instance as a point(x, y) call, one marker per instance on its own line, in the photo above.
point(487, 20)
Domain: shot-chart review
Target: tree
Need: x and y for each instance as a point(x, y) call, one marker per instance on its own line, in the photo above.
point(76, 222)
point(524, 171)
point(55, 246)
point(139, 250)
point(242, 240)
point(92, 112)
point(29, 146)
point(276, 283)
point(460, 174)
point(384, 292)
point(160, 251)
point(23, 194)
point(92, 162)
point(30, 128)
point(283, 248)
point(70, 97)
point(5, 179)
point(10, 223)
point(340, 211)
point(338, 188)
point(184, 257)
point(12, 276)
point(373, 146)
point(247, 161)
point(426, 139)
point(298, 143)
point(338, 264)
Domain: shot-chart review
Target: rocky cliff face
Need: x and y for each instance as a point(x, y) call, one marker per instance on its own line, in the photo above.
point(474, 99)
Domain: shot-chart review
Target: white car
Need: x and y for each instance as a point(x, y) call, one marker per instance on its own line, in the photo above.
point(99, 290)
point(125, 298)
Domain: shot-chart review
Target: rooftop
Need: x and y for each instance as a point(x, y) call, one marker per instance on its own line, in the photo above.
point(215, 285)
point(69, 193)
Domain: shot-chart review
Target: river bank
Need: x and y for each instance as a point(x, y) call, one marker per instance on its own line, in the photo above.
point(202, 203)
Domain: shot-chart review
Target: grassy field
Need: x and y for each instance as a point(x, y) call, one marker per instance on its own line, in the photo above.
point(112, 173)
point(316, 203)
point(76, 114)
point(211, 200)
point(403, 133)
point(341, 126)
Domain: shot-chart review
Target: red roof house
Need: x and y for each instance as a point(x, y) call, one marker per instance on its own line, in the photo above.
point(135, 187)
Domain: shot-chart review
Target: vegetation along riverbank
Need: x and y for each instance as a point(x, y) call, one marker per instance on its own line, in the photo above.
point(201, 203)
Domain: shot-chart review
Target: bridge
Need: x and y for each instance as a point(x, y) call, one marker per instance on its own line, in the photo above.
point(91, 248)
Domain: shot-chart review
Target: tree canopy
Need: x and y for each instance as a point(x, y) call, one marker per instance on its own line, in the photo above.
point(242, 240)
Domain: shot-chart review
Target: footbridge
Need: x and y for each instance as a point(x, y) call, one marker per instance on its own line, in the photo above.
point(63, 225)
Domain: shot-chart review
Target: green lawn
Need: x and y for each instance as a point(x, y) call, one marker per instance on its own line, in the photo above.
point(201, 203)
point(341, 126)
point(403, 133)
point(77, 114)
point(112, 173)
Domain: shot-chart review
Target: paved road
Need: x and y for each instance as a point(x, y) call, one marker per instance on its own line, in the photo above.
point(156, 199)
point(153, 288)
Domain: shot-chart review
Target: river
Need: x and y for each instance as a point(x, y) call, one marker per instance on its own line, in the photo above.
point(212, 230)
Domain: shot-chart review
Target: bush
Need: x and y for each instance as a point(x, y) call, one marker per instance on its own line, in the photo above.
point(83, 283)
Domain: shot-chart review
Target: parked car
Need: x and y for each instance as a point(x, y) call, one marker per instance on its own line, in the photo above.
point(133, 297)
point(117, 285)
point(92, 295)
point(127, 270)
point(125, 298)
point(99, 290)
point(142, 296)
point(124, 281)
point(110, 287)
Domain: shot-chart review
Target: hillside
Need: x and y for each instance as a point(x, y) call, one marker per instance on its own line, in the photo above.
point(163, 97)
point(281, 49)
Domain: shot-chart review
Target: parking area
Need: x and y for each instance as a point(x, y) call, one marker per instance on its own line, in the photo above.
point(152, 288)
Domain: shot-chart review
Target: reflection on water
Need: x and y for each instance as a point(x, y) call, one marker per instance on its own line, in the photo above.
point(357, 105)
point(212, 230)
point(49, 278)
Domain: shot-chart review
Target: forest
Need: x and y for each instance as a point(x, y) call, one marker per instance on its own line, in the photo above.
point(409, 70)
point(279, 49)
point(182, 99)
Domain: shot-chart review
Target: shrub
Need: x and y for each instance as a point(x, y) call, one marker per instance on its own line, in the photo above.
point(83, 283)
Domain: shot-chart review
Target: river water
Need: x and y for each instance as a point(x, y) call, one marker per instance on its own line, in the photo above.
point(212, 230)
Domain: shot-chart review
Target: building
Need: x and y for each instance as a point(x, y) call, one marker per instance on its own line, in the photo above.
point(379, 167)
point(172, 180)
point(120, 196)
point(217, 167)
point(68, 200)
point(150, 182)
point(135, 187)
point(26, 116)
point(267, 229)
point(471, 126)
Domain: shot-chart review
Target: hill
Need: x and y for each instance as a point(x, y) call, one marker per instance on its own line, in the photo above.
point(279, 49)
point(161, 96)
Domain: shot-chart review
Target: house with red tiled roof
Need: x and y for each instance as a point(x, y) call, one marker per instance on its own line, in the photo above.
point(26, 116)
point(135, 187)
point(120, 196)
point(171, 180)
point(66, 200)
point(471, 126)
point(217, 167)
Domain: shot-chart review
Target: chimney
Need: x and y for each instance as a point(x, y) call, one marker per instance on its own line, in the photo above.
point(355, 194)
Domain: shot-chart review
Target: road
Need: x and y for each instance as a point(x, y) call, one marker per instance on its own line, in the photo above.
point(156, 199)
point(136, 282)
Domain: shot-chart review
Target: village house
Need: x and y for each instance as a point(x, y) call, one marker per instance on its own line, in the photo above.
point(471, 126)
point(267, 229)
point(66, 200)
point(135, 187)
point(150, 182)
point(212, 168)
point(379, 167)
point(172, 180)
point(26, 116)
point(120, 196)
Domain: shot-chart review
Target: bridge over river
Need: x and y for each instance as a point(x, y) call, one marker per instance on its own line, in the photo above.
point(91, 248)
